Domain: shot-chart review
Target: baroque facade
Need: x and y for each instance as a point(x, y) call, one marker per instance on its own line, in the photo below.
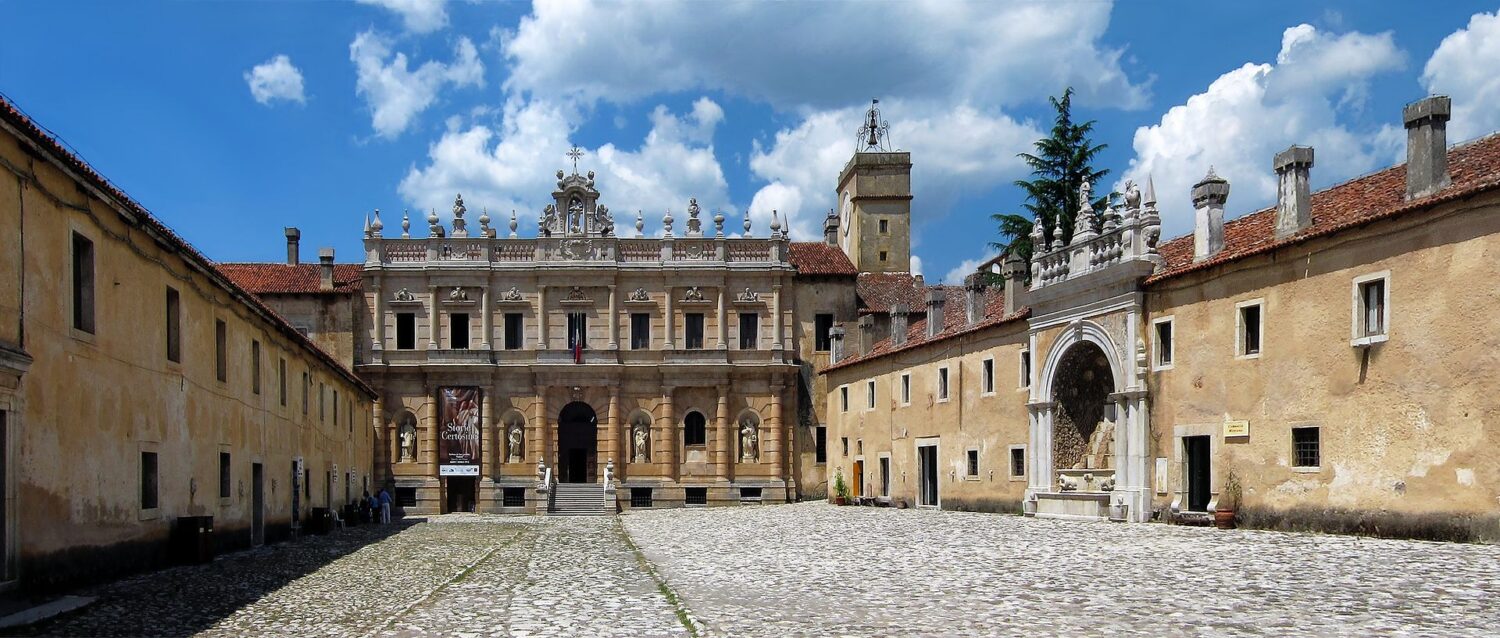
point(1316, 365)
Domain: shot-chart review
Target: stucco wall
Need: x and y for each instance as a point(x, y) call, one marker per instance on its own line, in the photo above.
point(814, 296)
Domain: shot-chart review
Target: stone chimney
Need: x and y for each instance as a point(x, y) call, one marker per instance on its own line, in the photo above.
point(831, 229)
point(1014, 270)
point(1427, 145)
point(325, 269)
point(1209, 195)
point(866, 334)
point(936, 299)
point(835, 344)
point(899, 323)
point(1293, 195)
point(293, 241)
point(975, 285)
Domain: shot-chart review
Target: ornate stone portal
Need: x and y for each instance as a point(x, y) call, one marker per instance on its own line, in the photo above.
point(1083, 439)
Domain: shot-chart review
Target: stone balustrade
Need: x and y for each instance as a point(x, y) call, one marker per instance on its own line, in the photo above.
point(1125, 234)
point(504, 253)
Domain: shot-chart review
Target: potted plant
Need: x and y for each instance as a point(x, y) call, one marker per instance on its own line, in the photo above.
point(1229, 500)
point(840, 489)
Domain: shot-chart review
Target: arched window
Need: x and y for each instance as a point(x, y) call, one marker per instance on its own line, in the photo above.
point(694, 430)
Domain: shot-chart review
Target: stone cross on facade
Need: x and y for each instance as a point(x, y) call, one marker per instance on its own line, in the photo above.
point(575, 153)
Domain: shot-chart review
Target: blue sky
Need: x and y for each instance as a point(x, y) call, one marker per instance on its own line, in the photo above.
point(231, 120)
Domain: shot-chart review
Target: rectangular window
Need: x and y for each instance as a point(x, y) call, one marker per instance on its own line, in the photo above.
point(224, 479)
point(406, 331)
point(820, 444)
point(578, 330)
point(1305, 448)
point(221, 350)
point(1371, 308)
point(692, 326)
point(513, 327)
point(83, 284)
point(174, 326)
point(1249, 329)
point(1025, 369)
point(695, 496)
point(513, 497)
point(336, 407)
point(971, 468)
point(148, 480)
point(749, 331)
point(281, 380)
point(885, 226)
point(640, 497)
point(906, 389)
point(822, 325)
point(870, 395)
point(882, 255)
point(640, 330)
point(458, 330)
point(1163, 343)
point(750, 493)
point(322, 401)
point(987, 377)
point(942, 388)
point(1017, 462)
point(255, 366)
point(407, 496)
point(844, 399)
point(845, 441)
point(306, 387)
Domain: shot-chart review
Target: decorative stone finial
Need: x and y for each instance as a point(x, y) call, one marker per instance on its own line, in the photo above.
point(775, 225)
point(1150, 198)
point(405, 223)
point(377, 226)
point(432, 223)
point(640, 224)
point(512, 223)
point(747, 221)
point(666, 223)
point(719, 224)
point(484, 221)
point(367, 226)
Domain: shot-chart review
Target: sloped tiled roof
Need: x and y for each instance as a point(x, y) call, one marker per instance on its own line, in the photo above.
point(30, 130)
point(265, 278)
point(879, 291)
point(818, 258)
point(955, 320)
point(1474, 167)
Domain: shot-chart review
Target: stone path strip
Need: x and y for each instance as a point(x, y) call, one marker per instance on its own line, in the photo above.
point(817, 570)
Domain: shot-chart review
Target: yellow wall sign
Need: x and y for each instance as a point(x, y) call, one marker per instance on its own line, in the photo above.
point(1236, 428)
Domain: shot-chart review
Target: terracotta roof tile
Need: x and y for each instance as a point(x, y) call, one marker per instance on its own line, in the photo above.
point(955, 320)
point(1474, 167)
point(270, 278)
point(818, 258)
point(878, 291)
point(43, 139)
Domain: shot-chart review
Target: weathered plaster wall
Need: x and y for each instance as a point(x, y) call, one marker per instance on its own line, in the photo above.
point(814, 296)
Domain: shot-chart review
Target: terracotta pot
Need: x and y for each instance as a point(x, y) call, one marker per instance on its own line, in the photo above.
point(1224, 519)
point(839, 500)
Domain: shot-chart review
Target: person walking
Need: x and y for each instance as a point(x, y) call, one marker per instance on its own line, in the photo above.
point(385, 506)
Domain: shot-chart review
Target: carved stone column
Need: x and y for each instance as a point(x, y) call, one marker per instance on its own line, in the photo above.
point(385, 439)
point(541, 317)
point(777, 434)
point(614, 326)
point(487, 319)
point(487, 436)
point(378, 343)
point(666, 437)
point(722, 436)
point(536, 426)
point(433, 322)
point(667, 344)
point(608, 432)
point(776, 317)
point(430, 431)
point(723, 320)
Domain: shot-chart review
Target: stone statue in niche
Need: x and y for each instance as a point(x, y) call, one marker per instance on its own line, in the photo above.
point(458, 294)
point(408, 436)
point(748, 295)
point(640, 294)
point(577, 294)
point(514, 294)
point(405, 295)
point(693, 294)
point(575, 216)
point(640, 437)
point(515, 441)
point(749, 440)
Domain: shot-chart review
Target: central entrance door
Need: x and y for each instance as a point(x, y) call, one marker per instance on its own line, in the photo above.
point(1196, 450)
point(461, 493)
point(577, 443)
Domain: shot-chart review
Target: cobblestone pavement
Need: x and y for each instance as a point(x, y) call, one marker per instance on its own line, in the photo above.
point(457, 575)
point(815, 569)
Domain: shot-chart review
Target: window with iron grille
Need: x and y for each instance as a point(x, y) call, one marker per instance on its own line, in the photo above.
point(640, 497)
point(513, 497)
point(972, 467)
point(1305, 447)
point(1017, 461)
point(750, 493)
point(695, 495)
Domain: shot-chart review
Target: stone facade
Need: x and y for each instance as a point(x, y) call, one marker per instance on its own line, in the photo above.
point(1315, 365)
point(663, 368)
point(139, 385)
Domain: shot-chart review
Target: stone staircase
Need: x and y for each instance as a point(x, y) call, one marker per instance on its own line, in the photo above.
point(577, 499)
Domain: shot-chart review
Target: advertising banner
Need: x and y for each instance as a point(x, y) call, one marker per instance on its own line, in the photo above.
point(458, 431)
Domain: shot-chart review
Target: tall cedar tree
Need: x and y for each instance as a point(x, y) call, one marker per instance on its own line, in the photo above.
point(1062, 161)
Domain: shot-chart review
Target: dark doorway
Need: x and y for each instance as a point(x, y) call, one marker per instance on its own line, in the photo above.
point(257, 504)
point(885, 476)
point(297, 478)
point(577, 443)
point(1195, 449)
point(927, 472)
point(461, 492)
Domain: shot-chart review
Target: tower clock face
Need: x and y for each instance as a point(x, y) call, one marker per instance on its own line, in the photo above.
point(846, 219)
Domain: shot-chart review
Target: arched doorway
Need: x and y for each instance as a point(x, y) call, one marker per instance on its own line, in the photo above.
point(1083, 427)
point(577, 443)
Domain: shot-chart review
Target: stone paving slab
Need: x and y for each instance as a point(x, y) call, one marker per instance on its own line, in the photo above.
point(817, 570)
point(455, 575)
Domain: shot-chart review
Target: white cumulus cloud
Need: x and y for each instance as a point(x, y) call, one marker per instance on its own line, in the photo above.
point(1463, 67)
point(396, 94)
point(1249, 114)
point(275, 79)
point(418, 16)
point(512, 166)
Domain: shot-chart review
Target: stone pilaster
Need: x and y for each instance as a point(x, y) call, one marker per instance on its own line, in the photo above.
point(487, 320)
point(541, 317)
point(487, 436)
point(536, 427)
point(722, 436)
point(433, 322)
point(776, 318)
point(723, 320)
point(666, 439)
point(430, 430)
point(667, 343)
point(609, 432)
point(774, 444)
point(614, 321)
